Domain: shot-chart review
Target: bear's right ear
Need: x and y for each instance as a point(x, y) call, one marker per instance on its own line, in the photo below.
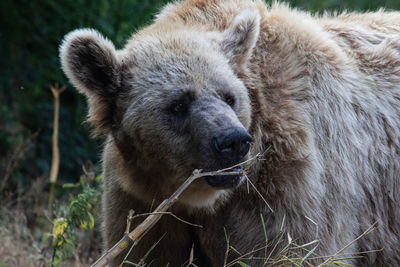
point(89, 61)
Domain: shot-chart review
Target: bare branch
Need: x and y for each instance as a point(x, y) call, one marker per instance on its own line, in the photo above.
point(168, 213)
point(152, 219)
point(191, 256)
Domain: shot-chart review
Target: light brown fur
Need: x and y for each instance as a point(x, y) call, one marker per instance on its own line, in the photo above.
point(319, 95)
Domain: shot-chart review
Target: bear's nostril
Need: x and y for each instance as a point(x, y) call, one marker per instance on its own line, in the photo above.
point(245, 146)
point(223, 147)
point(229, 148)
point(216, 146)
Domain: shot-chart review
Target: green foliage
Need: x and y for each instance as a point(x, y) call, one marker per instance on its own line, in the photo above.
point(78, 215)
point(30, 34)
point(242, 264)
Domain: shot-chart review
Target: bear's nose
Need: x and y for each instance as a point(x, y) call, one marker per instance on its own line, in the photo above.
point(234, 146)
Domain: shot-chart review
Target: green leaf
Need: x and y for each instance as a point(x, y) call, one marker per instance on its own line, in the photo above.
point(69, 185)
point(241, 263)
point(264, 228)
point(59, 227)
point(308, 254)
point(131, 263)
point(226, 236)
point(45, 237)
point(99, 178)
point(88, 224)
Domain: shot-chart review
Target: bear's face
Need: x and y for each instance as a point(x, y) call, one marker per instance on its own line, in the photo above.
point(172, 102)
point(183, 103)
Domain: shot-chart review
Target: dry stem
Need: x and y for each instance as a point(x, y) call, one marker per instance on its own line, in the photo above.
point(55, 159)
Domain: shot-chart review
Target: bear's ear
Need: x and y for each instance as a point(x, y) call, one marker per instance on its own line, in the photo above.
point(89, 61)
point(239, 39)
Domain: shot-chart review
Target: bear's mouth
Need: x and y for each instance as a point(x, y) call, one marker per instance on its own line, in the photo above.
point(226, 181)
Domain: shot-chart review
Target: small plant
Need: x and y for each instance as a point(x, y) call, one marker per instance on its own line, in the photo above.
point(76, 216)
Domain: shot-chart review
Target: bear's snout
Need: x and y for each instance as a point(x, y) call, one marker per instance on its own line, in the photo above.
point(233, 146)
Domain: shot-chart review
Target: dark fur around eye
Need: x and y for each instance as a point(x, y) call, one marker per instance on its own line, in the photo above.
point(177, 112)
point(181, 106)
point(229, 99)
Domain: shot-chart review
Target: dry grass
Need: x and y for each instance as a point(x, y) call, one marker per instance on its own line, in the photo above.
point(22, 225)
point(24, 222)
point(18, 247)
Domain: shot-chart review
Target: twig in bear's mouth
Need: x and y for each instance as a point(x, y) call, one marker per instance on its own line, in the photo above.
point(135, 235)
point(218, 172)
point(241, 172)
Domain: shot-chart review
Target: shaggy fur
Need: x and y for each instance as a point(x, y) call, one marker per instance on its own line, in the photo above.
point(319, 95)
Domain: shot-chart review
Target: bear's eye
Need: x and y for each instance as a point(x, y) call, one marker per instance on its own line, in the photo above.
point(229, 99)
point(179, 108)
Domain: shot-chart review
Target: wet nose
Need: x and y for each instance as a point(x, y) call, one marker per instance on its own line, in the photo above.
point(233, 146)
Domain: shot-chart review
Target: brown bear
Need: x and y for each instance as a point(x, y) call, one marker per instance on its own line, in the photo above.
point(212, 83)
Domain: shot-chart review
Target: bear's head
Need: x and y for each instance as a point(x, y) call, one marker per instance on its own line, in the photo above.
point(171, 102)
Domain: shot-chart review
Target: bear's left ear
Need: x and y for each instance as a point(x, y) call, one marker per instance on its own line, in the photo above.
point(239, 39)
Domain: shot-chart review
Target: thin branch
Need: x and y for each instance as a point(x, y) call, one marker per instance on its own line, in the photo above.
point(191, 256)
point(146, 225)
point(350, 255)
point(134, 236)
point(278, 239)
point(243, 256)
point(168, 213)
point(152, 219)
point(257, 156)
point(258, 192)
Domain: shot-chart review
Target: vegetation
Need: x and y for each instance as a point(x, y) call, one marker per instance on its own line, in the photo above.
point(30, 33)
point(76, 216)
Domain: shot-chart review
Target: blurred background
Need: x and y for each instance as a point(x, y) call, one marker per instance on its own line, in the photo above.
point(41, 223)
